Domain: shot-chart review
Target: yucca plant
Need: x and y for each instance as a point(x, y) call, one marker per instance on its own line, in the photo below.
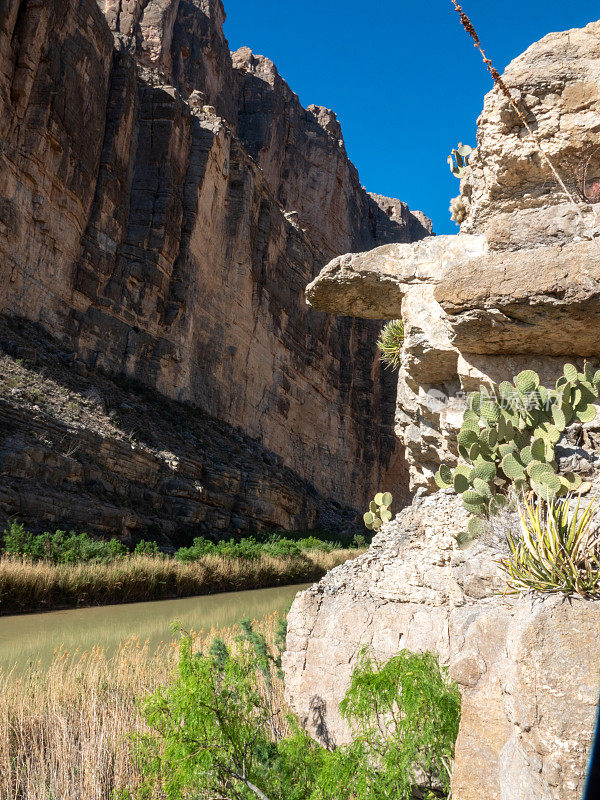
point(557, 549)
point(390, 343)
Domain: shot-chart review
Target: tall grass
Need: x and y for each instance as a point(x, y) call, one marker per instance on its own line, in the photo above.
point(65, 730)
point(36, 586)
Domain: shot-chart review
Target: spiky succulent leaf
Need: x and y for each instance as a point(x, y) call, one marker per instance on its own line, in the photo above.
point(588, 372)
point(571, 481)
point(463, 469)
point(385, 515)
point(527, 381)
point(473, 497)
point(559, 419)
point(538, 449)
point(586, 413)
point(512, 468)
point(464, 539)
point(476, 526)
point(484, 470)
point(377, 523)
point(551, 480)
point(387, 499)
point(525, 456)
point(482, 488)
point(461, 483)
point(467, 437)
point(369, 518)
point(544, 491)
point(474, 401)
point(596, 378)
point(475, 508)
point(536, 471)
point(373, 507)
point(379, 499)
point(570, 373)
point(490, 437)
point(490, 411)
point(474, 451)
point(498, 503)
point(464, 452)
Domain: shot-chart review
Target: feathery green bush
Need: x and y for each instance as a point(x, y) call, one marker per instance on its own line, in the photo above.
point(219, 730)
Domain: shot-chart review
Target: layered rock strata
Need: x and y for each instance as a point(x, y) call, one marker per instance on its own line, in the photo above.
point(137, 229)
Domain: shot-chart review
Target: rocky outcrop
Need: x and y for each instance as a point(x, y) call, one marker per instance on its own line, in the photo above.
point(516, 289)
point(303, 157)
point(137, 229)
point(527, 668)
point(510, 192)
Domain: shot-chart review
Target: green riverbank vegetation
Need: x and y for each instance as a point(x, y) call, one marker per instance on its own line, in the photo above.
point(61, 570)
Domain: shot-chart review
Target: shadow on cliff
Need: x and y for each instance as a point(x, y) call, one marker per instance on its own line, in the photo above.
point(172, 470)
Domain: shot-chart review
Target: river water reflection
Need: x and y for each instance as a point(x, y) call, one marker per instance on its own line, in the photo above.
point(30, 638)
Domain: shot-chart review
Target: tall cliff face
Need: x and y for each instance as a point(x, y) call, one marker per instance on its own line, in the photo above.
point(139, 231)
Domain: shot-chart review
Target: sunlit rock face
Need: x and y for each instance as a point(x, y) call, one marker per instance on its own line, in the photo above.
point(516, 289)
point(162, 208)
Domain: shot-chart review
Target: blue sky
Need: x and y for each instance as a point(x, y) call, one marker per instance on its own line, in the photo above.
point(403, 77)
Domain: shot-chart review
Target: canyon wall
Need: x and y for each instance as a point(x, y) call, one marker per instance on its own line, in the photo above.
point(159, 222)
point(517, 288)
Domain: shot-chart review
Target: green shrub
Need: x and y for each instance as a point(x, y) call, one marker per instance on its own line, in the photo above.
point(390, 343)
point(508, 439)
point(16, 540)
point(359, 541)
point(218, 731)
point(556, 550)
point(199, 547)
point(146, 548)
point(60, 547)
point(284, 548)
point(404, 716)
point(312, 543)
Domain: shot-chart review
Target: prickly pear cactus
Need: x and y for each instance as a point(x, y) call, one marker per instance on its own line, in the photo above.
point(458, 160)
point(508, 437)
point(379, 511)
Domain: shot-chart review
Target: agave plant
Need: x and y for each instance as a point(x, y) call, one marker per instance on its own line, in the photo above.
point(557, 549)
point(508, 439)
point(379, 511)
point(390, 342)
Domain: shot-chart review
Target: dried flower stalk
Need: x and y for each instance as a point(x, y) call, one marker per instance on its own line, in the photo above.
point(497, 78)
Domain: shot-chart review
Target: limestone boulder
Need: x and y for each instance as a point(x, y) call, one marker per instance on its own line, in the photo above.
point(527, 668)
point(543, 302)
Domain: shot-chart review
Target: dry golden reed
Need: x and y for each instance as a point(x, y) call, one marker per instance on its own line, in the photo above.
point(65, 730)
point(37, 586)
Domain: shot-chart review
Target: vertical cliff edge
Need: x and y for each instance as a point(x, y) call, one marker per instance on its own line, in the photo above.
point(163, 204)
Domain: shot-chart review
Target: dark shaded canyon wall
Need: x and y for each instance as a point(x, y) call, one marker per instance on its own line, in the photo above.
point(135, 227)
